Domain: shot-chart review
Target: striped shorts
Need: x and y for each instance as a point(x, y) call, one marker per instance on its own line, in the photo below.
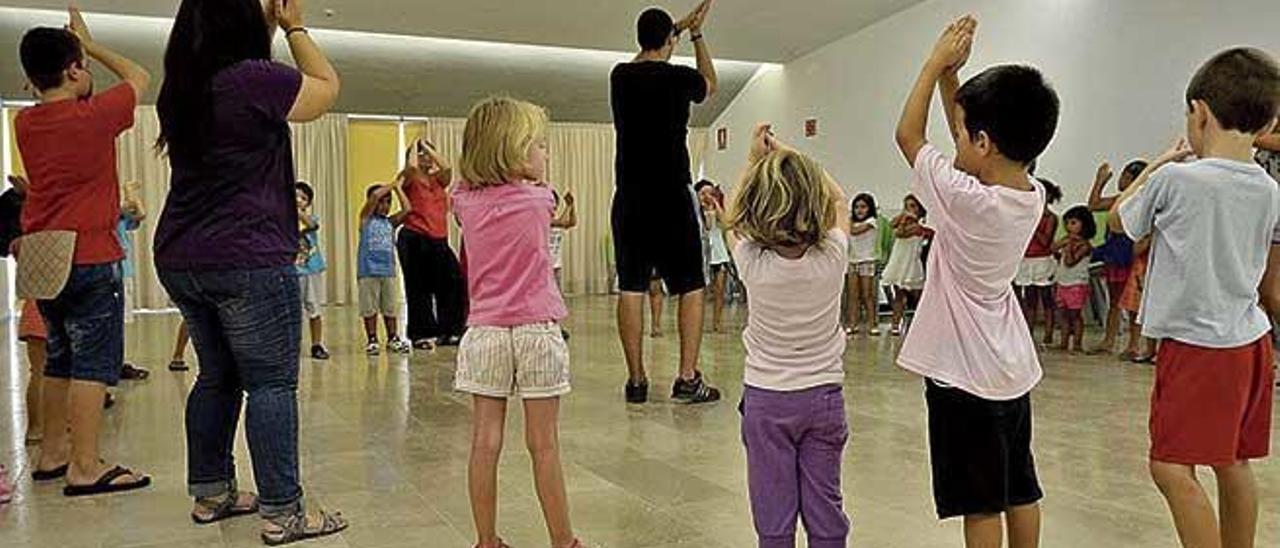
point(527, 361)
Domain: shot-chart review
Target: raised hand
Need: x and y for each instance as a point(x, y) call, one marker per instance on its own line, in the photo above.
point(77, 26)
point(1180, 150)
point(288, 13)
point(696, 18)
point(569, 200)
point(762, 142)
point(19, 183)
point(956, 43)
point(1103, 175)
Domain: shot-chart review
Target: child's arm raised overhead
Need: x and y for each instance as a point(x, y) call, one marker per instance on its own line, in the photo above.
point(1176, 153)
point(444, 172)
point(371, 203)
point(126, 69)
point(841, 204)
point(406, 206)
point(1096, 201)
point(569, 217)
point(949, 54)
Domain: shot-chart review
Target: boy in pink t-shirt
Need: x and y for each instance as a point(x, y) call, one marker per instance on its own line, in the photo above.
point(970, 340)
point(513, 347)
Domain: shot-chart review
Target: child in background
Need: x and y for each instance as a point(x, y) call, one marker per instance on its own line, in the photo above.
point(513, 347)
point(31, 328)
point(376, 265)
point(1140, 349)
point(1035, 273)
point(970, 340)
point(132, 213)
point(1216, 227)
point(311, 267)
point(1072, 277)
point(712, 201)
point(904, 272)
point(789, 227)
point(565, 218)
point(1116, 254)
point(863, 235)
point(179, 362)
point(657, 297)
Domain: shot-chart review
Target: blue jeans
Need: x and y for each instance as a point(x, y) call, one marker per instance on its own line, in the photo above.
point(86, 326)
point(245, 325)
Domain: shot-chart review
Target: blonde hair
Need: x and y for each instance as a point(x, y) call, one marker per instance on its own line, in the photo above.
point(496, 140)
point(784, 200)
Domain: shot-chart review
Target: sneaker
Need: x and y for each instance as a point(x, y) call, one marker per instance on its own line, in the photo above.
point(131, 372)
point(564, 334)
point(372, 348)
point(318, 352)
point(694, 391)
point(398, 345)
point(637, 393)
point(425, 344)
point(874, 332)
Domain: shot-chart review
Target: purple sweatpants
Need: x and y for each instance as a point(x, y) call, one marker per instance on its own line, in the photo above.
point(795, 441)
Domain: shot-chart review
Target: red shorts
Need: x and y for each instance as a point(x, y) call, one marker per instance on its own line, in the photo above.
point(1212, 406)
point(31, 326)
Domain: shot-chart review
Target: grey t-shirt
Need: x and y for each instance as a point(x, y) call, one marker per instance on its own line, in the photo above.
point(1214, 223)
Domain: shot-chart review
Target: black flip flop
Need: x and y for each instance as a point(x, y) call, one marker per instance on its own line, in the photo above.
point(132, 372)
point(226, 510)
point(104, 484)
point(50, 475)
point(178, 365)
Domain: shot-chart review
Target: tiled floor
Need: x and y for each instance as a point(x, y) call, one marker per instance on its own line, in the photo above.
point(385, 440)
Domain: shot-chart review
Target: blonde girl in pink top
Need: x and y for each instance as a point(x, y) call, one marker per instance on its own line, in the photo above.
point(513, 347)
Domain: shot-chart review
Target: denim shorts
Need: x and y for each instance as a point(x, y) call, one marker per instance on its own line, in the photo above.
point(86, 326)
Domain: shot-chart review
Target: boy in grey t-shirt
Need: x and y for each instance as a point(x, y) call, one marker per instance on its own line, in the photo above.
point(1214, 222)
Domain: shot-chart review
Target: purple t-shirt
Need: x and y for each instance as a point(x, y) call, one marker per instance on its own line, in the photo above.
point(233, 207)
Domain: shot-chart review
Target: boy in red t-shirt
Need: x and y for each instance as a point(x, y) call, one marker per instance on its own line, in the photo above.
point(67, 144)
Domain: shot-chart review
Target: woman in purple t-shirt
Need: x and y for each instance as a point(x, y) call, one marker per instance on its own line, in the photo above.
point(226, 243)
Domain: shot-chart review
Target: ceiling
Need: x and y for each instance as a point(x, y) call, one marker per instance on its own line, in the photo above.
point(434, 58)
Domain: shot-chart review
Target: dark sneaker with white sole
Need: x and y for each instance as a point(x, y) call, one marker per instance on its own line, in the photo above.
point(637, 392)
point(694, 391)
point(318, 352)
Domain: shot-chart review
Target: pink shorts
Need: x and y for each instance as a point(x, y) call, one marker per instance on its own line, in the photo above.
point(1071, 297)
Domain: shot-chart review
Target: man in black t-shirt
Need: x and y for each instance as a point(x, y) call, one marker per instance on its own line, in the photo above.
point(655, 225)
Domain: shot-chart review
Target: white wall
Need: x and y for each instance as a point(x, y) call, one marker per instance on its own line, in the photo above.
point(1120, 68)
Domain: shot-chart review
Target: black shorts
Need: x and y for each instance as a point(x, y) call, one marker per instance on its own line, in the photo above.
point(980, 451)
point(657, 233)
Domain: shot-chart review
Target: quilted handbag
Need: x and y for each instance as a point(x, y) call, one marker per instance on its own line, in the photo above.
point(44, 263)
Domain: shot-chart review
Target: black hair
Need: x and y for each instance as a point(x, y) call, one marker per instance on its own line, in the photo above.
point(306, 190)
point(1241, 87)
point(208, 36)
point(1014, 106)
point(1052, 192)
point(703, 184)
point(368, 192)
point(654, 28)
point(923, 212)
point(868, 199)
point(1089, 227)
point(46, 52)
point(1133, 169)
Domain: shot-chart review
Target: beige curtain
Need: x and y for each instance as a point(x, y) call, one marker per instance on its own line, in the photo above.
point(320, 157)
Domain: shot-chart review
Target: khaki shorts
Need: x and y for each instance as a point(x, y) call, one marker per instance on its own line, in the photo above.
point(379, 296)
point(309, 291)
point(528, 361)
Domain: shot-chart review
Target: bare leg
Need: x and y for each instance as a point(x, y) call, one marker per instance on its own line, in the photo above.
point(1237, 504)
point(1027, 299)
point(855, 301)
point(717, 300)
point(55, 449)
point(690, 333)
point(655, 308)
point(393, 329)
point(36, 356)
point(1050, 312)
point(85, 411)
point(870, 292)
point(1193, 514)
point(488, 423)
point(1023, 523)
point(543, 439)
point(899, 307)
point(371, 328)
point(1135, 335)
point(983, 531)
point(317, 331)
point(1079, 328)
point(1067, 324)
point(1114, 315)
point(631, 332)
